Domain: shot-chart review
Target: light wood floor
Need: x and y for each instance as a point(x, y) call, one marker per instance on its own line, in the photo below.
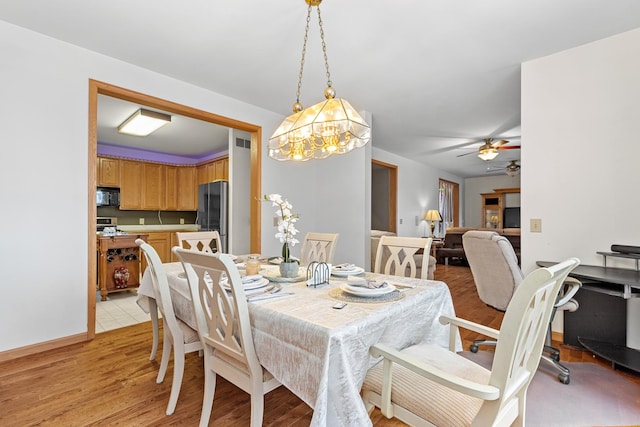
point(110, 381)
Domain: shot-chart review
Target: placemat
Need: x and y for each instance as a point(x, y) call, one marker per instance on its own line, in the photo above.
point(275, 276)
point(341, 295)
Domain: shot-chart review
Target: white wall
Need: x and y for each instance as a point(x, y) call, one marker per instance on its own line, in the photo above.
point(417, 191)
point(474, 187)
point(580, 151)
point(240, 194)
point(45, 168)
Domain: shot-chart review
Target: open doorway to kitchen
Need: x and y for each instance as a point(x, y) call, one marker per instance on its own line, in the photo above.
point(384, 195)
point(97, 88)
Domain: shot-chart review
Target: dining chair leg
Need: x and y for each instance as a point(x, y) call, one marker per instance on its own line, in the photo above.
point(178, 372)
point(153, 313)
point(207, 399)
point(257, 408)
point(166, 354)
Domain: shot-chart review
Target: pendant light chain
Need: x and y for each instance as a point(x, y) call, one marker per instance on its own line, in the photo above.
point(304, 51)
point(324, 49)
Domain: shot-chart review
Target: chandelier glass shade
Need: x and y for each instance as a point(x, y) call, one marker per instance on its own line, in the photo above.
point(329, 127)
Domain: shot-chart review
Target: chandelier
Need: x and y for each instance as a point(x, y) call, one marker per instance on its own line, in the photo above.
point(330, 127)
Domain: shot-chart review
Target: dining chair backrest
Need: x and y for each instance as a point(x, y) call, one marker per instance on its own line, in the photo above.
point(222, 316)
point(318, 247)
point(397, 256)
point(203, 241)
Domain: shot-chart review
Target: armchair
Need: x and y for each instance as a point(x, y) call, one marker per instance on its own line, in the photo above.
point(428, 385)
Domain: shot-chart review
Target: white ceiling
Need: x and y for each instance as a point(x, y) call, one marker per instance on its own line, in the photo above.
point(437, 76)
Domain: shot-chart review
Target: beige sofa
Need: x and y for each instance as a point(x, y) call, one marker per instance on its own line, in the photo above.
point(375, 241)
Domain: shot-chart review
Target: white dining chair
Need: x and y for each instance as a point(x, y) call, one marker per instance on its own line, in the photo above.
point(318, 247)
point(222, 317)
point(397, 256)
point(176, 334)
point(200, 241)
point(428, 385)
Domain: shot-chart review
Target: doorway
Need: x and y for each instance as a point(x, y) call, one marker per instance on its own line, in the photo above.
point(100, 88)
point(384, 195)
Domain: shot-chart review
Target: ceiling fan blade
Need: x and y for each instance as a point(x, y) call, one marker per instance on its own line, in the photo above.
point(500, 143)
point(509, 147)
point(466, 154)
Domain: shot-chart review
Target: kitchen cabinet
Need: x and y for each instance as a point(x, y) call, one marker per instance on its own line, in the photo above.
point(161, 242)
point(108, 172)
point(187, 190)
point(213, 170)
point(153, 186)
point(118, 263)
point(131, 179)
point(180, 188)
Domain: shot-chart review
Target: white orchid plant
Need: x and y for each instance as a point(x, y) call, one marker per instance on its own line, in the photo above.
point(286, 224)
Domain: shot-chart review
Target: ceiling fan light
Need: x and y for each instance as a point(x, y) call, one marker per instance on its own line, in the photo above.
point(488, 153)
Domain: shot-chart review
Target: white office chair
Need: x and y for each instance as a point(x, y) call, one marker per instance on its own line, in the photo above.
point(318, 247)
point(225, 330)
point(205, 241)
point(428, 385)
point(177, 334)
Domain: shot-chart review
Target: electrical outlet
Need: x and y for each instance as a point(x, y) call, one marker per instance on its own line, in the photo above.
point(181, 220)
point(275, 221)
point(417, 220)
point(401, 221)
point(535, 225)
point(141, 221)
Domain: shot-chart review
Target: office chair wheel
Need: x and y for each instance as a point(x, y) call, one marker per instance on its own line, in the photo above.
point(473, 348)
point(564, 378)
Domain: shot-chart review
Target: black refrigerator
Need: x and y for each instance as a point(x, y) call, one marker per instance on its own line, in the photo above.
point(213, 209)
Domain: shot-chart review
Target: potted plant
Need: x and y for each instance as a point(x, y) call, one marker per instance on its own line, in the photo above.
point(286, 232)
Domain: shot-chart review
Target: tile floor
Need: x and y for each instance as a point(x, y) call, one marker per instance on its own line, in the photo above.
point(118, 311)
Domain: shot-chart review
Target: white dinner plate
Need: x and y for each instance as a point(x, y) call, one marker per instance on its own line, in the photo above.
point(261, 283)
point(366, 292)
point(344, 273)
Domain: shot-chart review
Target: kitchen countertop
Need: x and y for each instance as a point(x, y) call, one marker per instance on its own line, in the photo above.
point(158, 227)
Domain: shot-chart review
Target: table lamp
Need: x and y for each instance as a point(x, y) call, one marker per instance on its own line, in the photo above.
point(432, 215)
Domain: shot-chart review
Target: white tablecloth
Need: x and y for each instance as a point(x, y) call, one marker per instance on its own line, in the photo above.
point(320, 353)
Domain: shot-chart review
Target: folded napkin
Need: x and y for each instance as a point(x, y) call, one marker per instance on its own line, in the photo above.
point(345, 267)
point(361, 282)
point(252, 278)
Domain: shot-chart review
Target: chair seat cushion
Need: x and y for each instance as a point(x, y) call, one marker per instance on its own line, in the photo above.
point(190, 335)
point(425, 398)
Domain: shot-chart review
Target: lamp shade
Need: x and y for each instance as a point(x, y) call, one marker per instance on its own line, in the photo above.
point(432, 215)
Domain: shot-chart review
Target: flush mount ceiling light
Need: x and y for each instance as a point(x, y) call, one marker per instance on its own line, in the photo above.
point(329, 127)
point(143, 122)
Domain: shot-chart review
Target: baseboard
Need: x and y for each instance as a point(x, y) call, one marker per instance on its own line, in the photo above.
point(43, 346)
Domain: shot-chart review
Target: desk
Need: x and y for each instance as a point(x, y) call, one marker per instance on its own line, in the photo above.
point(322, 354)
point(600, 324)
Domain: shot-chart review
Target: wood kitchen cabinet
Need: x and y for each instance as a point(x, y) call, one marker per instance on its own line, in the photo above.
point(161, 242)
point(131, 179)
point(181, 189)
point(213, 170)
point(153, 186)
point(108, 172)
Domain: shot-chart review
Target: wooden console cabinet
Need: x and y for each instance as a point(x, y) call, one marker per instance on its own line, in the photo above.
point(118, 263)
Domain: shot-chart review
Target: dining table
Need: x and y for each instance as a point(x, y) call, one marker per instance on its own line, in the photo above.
point(319, 352)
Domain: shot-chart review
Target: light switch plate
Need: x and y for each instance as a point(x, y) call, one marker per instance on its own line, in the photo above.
point(535, 225)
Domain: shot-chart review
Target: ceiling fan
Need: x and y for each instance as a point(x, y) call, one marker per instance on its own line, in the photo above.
point(489, 149)
point(512, 169)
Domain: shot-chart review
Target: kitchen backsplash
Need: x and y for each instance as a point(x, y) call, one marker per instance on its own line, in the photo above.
point(150, 217)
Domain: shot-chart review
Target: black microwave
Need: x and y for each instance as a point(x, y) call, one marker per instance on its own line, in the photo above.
point(107, 196)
